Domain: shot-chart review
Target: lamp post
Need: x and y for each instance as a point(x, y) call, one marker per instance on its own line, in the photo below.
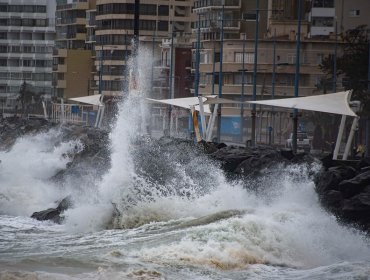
point(253, 140)
point(101, 71)
point(296, 80)
point(220, 75)
point(335, 60)
point(242, 95)
point(197, 59)
point(170, 82)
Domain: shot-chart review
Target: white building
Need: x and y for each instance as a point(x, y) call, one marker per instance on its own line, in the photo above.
point(27, 31)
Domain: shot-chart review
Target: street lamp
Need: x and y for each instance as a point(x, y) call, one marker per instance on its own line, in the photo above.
point(253, 140)
point(296, 80)
point(220, 75)
point(242, 96)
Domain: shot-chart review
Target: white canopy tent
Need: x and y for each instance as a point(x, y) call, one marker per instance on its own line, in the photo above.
point(91, 99)
point(185, 103)
point(335, 103)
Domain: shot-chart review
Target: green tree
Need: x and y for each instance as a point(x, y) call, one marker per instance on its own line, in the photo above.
point(353, 65)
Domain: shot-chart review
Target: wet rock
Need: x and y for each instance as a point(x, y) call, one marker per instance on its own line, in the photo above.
point(345, 190)
point(54, 214)
point(354, 186)
point(51, 214)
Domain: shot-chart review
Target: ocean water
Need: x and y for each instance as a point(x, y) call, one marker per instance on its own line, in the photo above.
point(180, 218)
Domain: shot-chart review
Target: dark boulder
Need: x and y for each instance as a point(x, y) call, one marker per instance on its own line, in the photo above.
point(231, 156)
point(354, 186)
point(54, 214)
point(330, 179)
point(334, 200)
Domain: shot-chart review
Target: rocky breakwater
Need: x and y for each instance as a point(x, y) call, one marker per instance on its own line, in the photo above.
point(91, 156)
point(344, 189)
point(13, 128)
point(252, 161)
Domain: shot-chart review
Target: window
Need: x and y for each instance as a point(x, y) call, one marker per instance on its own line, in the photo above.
point(320, 57)
point(27, 75)
point(248, 57)
point(3, 75)
point(291, 58)
point(3, 49)
point(250, 16)
point(217, 57)
point(162, 25)
point(163, 10)
point(323, 3)
point(27, 49)
point(354, 13)
point(322, 21)
point(3, 8)
point(15, 76)
point(27, 63)
point(15, 49)
point(147, 9)
point(238, 78)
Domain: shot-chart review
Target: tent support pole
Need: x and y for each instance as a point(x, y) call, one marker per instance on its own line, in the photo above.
point(62, 109)
point(195, 123)
point(350, 138)
point(101, 116)
point(339, 137)
point(202, 118)
point(212, 123)
point(97, 117)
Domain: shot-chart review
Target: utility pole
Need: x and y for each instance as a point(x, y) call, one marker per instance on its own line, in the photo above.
point(335, 60)
point(170, 83)
point(253, 136)
point(197, 60)
point(242, 95)
point(296, 80)
point(220, 76)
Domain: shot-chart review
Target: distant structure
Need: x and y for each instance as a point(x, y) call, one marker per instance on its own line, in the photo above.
point(115, 29)
point(27, 32)
point(276, 55)
point(73, 57)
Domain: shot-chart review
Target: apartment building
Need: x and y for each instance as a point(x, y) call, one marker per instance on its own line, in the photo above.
point(73, 57)
point(114, 33)
point(276, 56)
point(27, 31)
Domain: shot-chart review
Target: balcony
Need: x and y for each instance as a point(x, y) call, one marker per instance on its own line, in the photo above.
point(61, 68)
point(60, 52)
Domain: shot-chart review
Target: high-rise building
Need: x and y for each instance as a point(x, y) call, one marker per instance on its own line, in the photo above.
point(27, 31)
point(115, 31)
point(73, 57)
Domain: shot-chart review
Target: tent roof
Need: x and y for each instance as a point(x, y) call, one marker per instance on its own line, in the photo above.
point(335, 103)
point(91, 99)
point(185, 103)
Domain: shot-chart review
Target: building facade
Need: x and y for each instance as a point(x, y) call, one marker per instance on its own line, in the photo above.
point(27, 32)
point(73, 57)
point(274, 75)
point(115, 30)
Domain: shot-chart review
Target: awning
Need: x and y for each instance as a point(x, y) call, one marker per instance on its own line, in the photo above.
point(335, 103)
point(91, 99)
point(185, 103)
